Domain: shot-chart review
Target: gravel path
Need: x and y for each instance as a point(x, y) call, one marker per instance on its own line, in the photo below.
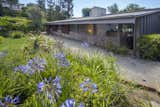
point(140, 71)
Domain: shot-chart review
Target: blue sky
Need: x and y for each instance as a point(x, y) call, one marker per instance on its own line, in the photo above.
point(80, 4)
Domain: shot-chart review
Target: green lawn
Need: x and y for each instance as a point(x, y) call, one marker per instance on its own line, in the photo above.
point(10, 44)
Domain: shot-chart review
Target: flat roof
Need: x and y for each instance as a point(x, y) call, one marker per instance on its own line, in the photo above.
point(110, 18)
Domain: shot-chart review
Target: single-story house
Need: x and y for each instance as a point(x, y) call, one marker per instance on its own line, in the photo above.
point(121, 29)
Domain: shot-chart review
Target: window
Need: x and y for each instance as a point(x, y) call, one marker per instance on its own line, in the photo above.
point(111, 29)
point(65, 29)
point(91, 29)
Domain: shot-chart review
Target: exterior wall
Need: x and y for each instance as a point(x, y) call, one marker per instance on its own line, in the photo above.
point(97, 11)
point(149, 24)
point(104, 37)
point(79, 32)
point(146, 25)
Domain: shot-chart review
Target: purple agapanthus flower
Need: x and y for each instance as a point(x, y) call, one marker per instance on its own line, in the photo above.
point(56, 83)
point(81, 105)
point(8, 100)
point(40, 86)
point(25, 69)
point(59, 56)
point(88, 85)
point(51, 87)
point(62, 59)
point(85, 44)
point(71, 103)
point(1, 104)
point(35, 64)
point(15, 100)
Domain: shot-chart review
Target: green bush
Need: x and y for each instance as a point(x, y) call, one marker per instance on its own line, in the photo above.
point(17, 23)
point(16, 34)
point(1, 39)
point(149, 46)
point(122, 50)
point(117, 49)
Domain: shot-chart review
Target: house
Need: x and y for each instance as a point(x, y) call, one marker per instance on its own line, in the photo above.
point(121, 29)
point(16, 7)
point(97, 11)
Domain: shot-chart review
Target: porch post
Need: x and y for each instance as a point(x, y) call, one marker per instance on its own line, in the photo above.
point(119, 33)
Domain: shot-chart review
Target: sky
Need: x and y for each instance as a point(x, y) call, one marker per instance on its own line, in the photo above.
point(80, 4)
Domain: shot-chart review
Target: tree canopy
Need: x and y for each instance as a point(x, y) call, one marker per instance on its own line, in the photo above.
point(60, 9)
point(113, 8)
point(130, 8)
point(133, 7)
point(86, 12)
point(41, 4)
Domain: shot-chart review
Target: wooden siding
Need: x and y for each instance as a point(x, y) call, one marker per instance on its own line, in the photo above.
point(149, 24)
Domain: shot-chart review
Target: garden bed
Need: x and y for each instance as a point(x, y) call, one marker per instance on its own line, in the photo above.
point(38, 72)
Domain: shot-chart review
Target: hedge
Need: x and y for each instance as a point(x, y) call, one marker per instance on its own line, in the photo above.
point(149, 46)
point(8, 24)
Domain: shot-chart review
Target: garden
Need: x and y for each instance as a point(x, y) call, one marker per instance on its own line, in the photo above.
point(36, 71)
point(36, 74)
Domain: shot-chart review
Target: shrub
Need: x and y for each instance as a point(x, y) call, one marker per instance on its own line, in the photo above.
point(149, 46)
point(122, 50)
point(1, 39)
point(17, 23)
point(117, 49)
point(16, 34)
point(40, 42)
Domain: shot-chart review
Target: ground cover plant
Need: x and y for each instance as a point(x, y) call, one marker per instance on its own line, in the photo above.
point(38, 72)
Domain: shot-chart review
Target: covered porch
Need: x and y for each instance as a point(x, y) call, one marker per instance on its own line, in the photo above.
point(119, 32)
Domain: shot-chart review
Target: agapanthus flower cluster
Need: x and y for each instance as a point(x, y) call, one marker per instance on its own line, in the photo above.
point(88, 85)
point(9, 101)
point(85, 44)
point(62, 59)
point(35, 64)
point(51, 88)
point(71, 103)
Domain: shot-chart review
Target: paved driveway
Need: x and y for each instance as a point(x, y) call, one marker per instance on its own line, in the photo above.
point(140, 71)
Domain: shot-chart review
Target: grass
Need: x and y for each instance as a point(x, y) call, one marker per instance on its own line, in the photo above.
point(13, 44)
point(99, 69)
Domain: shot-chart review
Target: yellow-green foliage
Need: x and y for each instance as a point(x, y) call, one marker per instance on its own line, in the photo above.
point(14, 23)
point(99, 69)
point(16, 34)
point(117, 49)
point(1, 39)
point(149, 46)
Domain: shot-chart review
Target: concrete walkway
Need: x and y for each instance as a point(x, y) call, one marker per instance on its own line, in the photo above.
point(143, 72)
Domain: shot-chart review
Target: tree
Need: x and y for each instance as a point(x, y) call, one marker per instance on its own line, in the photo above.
point(7, 11)
point(1, 8)
point(59, 9)
point(133, 7)
point(113, 9)
point(86, 12)
point(69, 6)
point(12, 2)
point(41, 4)
point(36, 15)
